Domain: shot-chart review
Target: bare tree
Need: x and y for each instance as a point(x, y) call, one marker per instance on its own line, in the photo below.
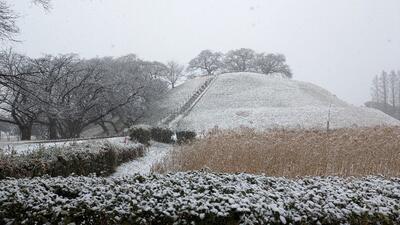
point(240, 60)
point(44, 3)
point(21, 109)
point(67, 93)
point(207, 61)
point(384, 88)
point(58, 77)
point(272, 64)
point(386, 93)
point(8, 19)
point(8, 22)
point(174, 72)
point(149, 74)
point(375, 89)
point(398, 90)
point(392, 87)
point(154, 69)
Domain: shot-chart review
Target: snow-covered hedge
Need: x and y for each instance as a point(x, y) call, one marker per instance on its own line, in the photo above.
point(145, 133)
point(82, 159)
point(185, 136)
point(162, 134)
point(200, 198)
point(141, 133)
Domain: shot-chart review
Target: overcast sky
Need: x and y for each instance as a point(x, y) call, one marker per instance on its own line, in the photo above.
point(339, 45)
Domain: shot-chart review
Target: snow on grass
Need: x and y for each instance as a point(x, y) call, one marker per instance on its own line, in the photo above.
point(156, 152)
point(200, 198)
point(27, 147)
point(260, 101)
point(263, 118)
point(173, 99)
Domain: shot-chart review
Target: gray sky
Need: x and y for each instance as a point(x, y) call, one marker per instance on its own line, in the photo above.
point(339, 45)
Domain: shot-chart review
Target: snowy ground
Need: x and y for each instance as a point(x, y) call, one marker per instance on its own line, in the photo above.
point(155, 153)
point(262, 102)
point(26, 147)
point(172, 100)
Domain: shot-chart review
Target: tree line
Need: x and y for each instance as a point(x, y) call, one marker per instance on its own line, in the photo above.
point(65, 93)
point(60, 96)
point(386, 93)
point(8, 19)
point(240, 60)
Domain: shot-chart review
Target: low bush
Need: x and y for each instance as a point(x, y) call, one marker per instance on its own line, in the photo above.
point(200, 198)
point(81, 159)
point(185, 136)
point(145, 133)
point(141, 134)
point(163, 135)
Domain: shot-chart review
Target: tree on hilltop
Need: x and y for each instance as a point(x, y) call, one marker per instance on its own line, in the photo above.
point(207, 61)
point(174, 72)
point(239, 60)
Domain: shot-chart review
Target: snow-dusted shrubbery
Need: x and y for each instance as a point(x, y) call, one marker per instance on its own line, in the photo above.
point(200, 198)
point(145, 133)
point(185, 136)
point(82, 158)
point(163, 135)
point(141, 134)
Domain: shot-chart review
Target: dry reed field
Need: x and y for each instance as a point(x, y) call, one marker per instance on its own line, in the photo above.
point(291, 153)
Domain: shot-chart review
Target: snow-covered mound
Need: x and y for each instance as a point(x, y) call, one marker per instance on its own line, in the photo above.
point(260, 101)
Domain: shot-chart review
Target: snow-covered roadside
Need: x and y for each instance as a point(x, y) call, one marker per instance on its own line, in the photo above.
point(155, 153)
point(26, 148)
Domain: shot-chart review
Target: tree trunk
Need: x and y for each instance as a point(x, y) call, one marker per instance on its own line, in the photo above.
point(52, 128)
point(26, 132)
point(74, 129)
point(115, 127)
point(104, 127)
point(70, 129)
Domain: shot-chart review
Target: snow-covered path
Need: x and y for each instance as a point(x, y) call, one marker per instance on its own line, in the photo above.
point(142, 165)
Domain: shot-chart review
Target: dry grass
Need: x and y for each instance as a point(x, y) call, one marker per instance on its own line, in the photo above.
point(342, 152)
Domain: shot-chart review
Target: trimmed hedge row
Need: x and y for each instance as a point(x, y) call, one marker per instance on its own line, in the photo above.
point(162, 135)
point(200, 198)
point(80, 159)
point(143, 134)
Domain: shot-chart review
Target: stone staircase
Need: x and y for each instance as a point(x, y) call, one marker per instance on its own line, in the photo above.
point(189, 104)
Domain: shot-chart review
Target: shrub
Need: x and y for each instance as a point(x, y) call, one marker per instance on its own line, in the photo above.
point(80, 159)
point(163, 135)
point(141, 134)
point(200, 198)
point(185, 136)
